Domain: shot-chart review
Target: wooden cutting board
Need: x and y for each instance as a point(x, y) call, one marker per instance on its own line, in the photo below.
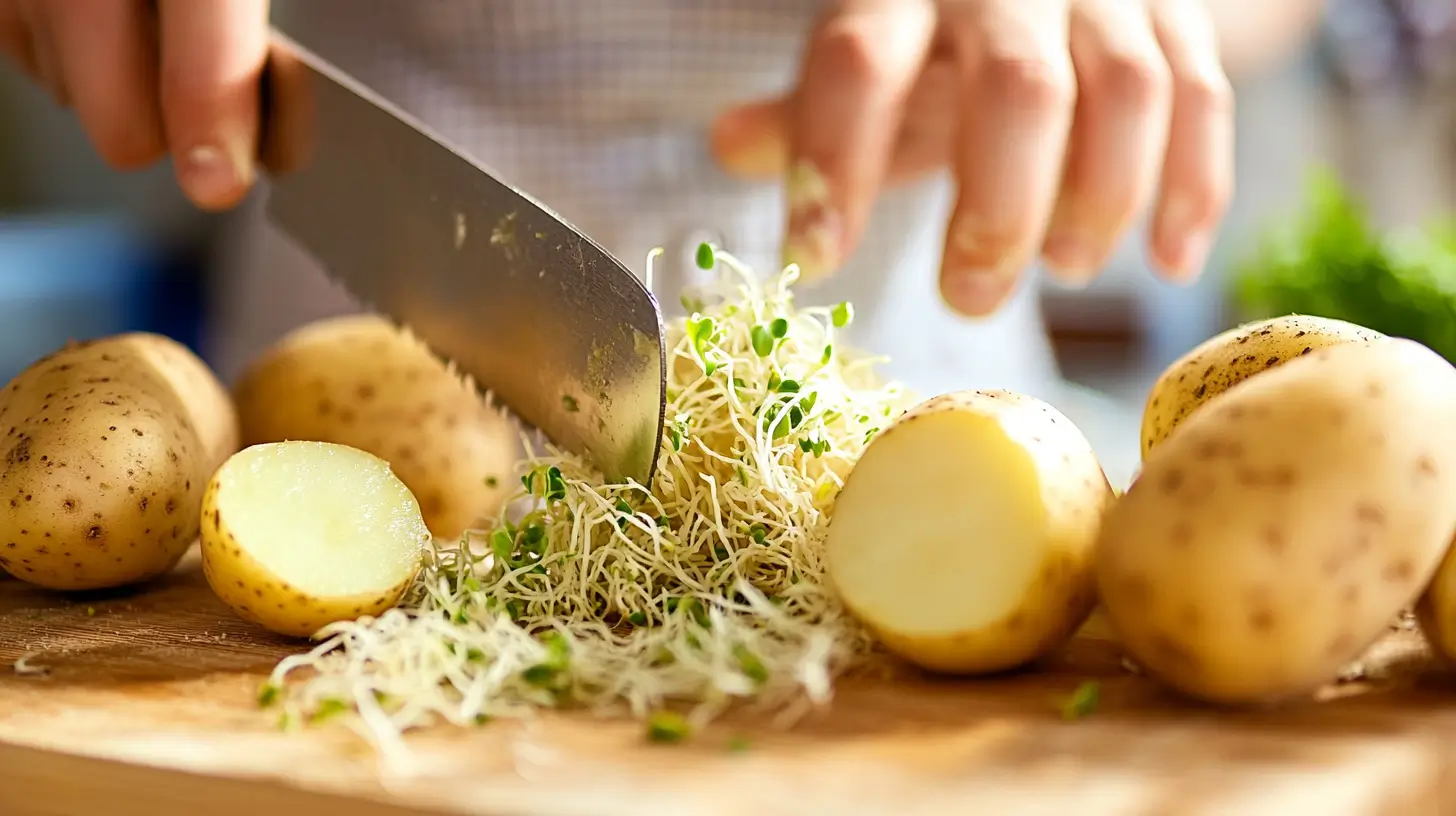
point(146, 708)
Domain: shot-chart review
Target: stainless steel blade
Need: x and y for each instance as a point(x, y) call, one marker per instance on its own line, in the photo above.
point(492, 280)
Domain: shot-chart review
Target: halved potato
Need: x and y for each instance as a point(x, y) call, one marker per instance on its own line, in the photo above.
point(963, 537)
point(297, 535)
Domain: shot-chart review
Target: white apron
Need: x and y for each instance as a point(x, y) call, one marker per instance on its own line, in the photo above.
point(602, 108)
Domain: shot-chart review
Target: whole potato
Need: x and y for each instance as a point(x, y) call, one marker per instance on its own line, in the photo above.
point(362, 382)
point(208, 402)
point(1275, 536)
point(104, 465)
point(963, 536)
point(1223, 361)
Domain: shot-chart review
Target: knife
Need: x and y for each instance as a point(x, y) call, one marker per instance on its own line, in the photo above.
point(493, 281)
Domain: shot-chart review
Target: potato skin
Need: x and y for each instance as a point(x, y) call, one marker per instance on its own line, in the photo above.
point(257, 596)
point(1276, 535)
point(1071, 492)
point(1229, 358)
point(360, 381)
point(104, 468)
point(209, 404)
point(1436, 610)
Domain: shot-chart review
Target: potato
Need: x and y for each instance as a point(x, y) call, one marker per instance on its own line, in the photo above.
point(360, 381)
point(297, 535)
point(1229, 358)
point(210, 406)
point(963, 536)
point(1273, 538)
point(1436, 610)
point(107, 448)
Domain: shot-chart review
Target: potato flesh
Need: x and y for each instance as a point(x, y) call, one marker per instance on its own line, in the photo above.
point(328, 519)
point(1275, 536)
point(949, 540)
point(963, 535)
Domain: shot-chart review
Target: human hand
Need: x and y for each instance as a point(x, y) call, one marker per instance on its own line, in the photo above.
point(1063, 121)
point(149, 78)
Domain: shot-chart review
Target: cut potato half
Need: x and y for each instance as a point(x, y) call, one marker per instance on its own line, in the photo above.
point(297, 535)
point(963, 536)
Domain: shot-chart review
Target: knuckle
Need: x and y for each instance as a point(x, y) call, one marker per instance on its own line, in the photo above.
point(848, 51)
point(1040, 83)
point(1132, 80)
point(1206, 94)
point(126, 146)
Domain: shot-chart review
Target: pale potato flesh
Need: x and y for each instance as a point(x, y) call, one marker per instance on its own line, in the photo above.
point(1229, 358)
point(963, 535)
point(297, 535)
point(1272, 539)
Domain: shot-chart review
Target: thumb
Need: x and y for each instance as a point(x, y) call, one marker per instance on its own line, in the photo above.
point(751, 141)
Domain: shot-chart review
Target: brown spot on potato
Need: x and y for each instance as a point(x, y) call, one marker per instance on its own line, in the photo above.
point(1261, 619)
point(93, 532)
point(1399, 572)
point(1200, 390)
point(1374, 390)
point(69, 505)
point(1172, 481)
point(1274, 540)
point(1369, 513)
point(1342, 645)
point(1425, 466)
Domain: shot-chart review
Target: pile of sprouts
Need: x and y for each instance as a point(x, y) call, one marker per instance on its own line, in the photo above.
point(706, 588)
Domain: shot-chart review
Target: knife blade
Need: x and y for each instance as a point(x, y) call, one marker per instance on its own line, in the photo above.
point(493, 281)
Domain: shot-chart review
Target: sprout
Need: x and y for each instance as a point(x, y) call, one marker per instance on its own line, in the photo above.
point(703, 587)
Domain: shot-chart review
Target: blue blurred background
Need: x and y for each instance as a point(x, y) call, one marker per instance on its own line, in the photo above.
point(85, 251)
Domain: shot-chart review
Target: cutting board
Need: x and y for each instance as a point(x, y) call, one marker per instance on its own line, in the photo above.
point(143, 704)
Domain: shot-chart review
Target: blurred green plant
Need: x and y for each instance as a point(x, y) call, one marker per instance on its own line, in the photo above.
point(1331, 261)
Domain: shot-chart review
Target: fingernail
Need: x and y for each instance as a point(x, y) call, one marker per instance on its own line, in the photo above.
point(1074, 256)
point(210, 176)
point(746, 147)
point(815, 230)
point(1189, 255)
point(976, 293)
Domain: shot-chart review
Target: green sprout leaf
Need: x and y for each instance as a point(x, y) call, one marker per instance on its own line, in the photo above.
point(763, 343)
point(705, 257)
point(667, 727)
point(1082, 701)
point(842, 315)
point(779, 328)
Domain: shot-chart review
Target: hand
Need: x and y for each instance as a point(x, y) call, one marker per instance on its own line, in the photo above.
point(153, 78)
point(1063, 120)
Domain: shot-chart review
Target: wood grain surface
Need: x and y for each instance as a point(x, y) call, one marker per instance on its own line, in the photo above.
point(143, 704)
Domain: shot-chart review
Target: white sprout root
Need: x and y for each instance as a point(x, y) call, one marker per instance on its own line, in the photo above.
point(707, 589)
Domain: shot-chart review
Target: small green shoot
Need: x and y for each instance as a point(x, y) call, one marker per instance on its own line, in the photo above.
point(704, 257)
point(1082, 701)
point(668, 727)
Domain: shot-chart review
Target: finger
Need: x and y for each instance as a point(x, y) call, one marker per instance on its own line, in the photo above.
point(42, 48)
point(1197, 178)
point(212, 57)
point(108, 54)
point(861, 64)
point(752, 140)
point(1119, 132)
point(1015, 113)
point(15, 37)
